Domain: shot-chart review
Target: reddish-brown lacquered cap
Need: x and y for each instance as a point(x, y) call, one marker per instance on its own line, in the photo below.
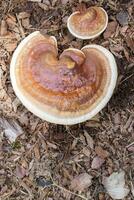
point(65, 89)
point(88, 23)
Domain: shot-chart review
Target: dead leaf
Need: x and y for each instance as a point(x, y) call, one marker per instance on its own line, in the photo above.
point(89, 140)
point(11, 128)
point(20, 171)
point(81, 182)
point(97, 162)
point(115, 185)
point(122, 17)
point(101, 152)
point(110, 30)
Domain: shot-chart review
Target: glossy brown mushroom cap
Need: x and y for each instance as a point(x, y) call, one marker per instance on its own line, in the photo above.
point(59, 89)
point(89, 23)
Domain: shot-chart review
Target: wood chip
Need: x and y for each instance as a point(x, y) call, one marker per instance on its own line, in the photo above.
point(23, 15)
point(93, 124)
point(43, 6)
point(10, 46)
point(26, 23)
point(51, 145)
point(130, 42)
point(86, 151)
point(101, 152)
point(11, 21)
point(3, 28)
point(37, 152)
point(89, 140)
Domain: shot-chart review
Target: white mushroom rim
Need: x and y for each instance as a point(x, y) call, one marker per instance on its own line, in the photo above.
point(63, 120)
point(86, 37)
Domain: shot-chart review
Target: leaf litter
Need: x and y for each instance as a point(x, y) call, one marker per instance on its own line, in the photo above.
point(72, 156)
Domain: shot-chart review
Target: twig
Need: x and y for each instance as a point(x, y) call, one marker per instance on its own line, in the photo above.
point(126, 78)
point(62, 188)
point(20, 27)
point(130, 145)
point(27, 189)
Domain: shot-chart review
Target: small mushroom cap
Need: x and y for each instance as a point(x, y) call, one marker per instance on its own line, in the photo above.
point(65, 90)
point(88, 24)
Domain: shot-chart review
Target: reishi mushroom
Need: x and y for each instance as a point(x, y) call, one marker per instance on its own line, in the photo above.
point(66, 90)
point(88, 23)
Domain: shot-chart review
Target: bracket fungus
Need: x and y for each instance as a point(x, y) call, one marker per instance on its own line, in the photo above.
point(68, 89)
point(88, 23)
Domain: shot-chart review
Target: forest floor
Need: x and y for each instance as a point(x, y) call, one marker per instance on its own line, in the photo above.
point(46, 160)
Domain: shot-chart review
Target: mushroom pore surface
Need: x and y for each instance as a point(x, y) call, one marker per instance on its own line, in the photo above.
point(65, 89)
point(88, 23)
point(73, 82)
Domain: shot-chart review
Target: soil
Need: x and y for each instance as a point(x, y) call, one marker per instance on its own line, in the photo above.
point(44, 159)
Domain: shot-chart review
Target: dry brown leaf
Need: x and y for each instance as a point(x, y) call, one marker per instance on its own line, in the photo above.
point(97, 162)
point(89, 140)
point(20, 171)
point(101, 152)
point(111, 28)
point(81, 182)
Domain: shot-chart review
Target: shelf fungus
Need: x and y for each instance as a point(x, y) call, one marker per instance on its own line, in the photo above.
point(68, 89)
point(88, 23)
